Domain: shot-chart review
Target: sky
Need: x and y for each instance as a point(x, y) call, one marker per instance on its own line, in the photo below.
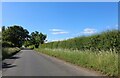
point(61, 20)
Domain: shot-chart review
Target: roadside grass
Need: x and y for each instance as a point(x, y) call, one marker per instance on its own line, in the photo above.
point(7, 52)
point(105, 62)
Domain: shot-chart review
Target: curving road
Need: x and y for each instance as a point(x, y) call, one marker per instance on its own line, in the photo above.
point(31, 63)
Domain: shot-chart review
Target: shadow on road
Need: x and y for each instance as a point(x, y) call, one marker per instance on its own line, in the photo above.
point(26, 49)
point(7, 65)
point(14, 57)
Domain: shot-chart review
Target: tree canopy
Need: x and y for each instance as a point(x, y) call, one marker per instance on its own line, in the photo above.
point(17, 36)
point(37, 38)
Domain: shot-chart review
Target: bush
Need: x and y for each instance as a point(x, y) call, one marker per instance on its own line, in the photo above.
point(31, 47)
point(108, 40)
point(7, 44)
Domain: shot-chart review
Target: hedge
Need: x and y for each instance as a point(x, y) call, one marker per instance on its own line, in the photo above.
point(108, 40)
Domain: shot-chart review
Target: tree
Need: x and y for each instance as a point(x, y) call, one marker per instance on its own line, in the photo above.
point(15, 34)
point(27, 43)
point(3, 28)
point(37, 38)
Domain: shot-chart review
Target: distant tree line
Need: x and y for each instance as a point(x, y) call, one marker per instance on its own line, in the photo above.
point(16, 36)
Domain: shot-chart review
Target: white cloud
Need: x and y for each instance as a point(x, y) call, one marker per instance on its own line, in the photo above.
point(55, 30)
point(58, 31)
point(89, 31)
point(59, 39)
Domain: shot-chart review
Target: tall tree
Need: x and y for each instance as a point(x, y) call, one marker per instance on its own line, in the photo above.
point(15, 34)
point(37, 38)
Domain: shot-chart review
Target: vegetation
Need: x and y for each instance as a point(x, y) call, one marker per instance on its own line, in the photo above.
point(14, 34)
point(37, 38)
point(105, 41)
point(0, 45)
point(31, 47)
point(14, 37)
point(105, 62)
point(98, 52)
point(7, 52)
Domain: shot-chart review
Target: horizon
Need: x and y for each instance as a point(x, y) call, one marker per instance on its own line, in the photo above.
point(62, 20)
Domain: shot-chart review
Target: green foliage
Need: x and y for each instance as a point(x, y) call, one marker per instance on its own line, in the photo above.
point(7, 44)
point(7, 52)
point(27, 43)
point(31, 47)
point(108, 40)
point(98, 51)
point(15, 34)
point(0, 38)
point(103, 61)
point(37, 38)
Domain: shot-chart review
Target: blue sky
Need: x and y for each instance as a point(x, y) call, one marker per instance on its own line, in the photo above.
point(61, 20)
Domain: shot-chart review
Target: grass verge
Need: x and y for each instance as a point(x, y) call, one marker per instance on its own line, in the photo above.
point(105, 62)
point(8, 52)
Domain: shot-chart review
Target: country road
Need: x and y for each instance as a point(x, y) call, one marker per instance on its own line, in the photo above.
point(31, 63)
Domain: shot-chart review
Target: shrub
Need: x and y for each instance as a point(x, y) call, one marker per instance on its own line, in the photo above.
point(31, 47)
point(7, 44)
point(108, 40)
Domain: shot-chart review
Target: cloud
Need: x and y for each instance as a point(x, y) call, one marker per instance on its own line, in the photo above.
point(58, 31)
point(59, 39)
point(89, 31)
point(55, 30)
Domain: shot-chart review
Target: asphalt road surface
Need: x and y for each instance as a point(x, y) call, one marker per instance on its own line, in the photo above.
point(31, 63)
